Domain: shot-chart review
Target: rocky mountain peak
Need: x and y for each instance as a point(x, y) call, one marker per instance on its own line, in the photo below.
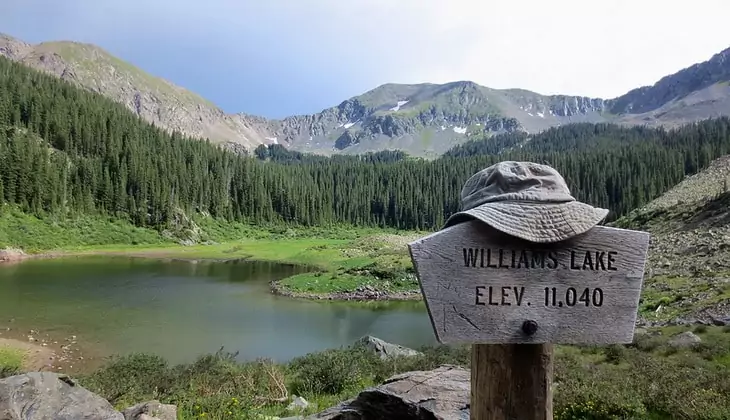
point(671, 88)
point(424, 119)
point(12, 48)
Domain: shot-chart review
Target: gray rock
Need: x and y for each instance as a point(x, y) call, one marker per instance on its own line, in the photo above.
point(151, 410)
point(442, 393)
point(47, 395)
point(298, 403)
point(383, 348)
point(685, 339)
point(640, 331)
point(721, 321)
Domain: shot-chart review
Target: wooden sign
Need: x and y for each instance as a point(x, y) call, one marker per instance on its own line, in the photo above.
point(483, 286)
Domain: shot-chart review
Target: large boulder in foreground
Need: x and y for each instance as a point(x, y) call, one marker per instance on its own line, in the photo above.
point(383, 348)
point(47, 395)
point(442, 393)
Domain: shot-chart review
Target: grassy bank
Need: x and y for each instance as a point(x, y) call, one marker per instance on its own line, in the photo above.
point(11, 360)
point(647, 379)
point(372, 266)
point(348, 263)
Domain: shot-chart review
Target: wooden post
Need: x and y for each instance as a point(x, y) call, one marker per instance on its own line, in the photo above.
point(512, 300)
point(511, 381)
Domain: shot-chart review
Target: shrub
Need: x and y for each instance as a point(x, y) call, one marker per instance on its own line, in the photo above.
point(332, 371)
point(130, 379)
point(647, 342)
point(6, 371)
point(615, 353)
point(582, 398)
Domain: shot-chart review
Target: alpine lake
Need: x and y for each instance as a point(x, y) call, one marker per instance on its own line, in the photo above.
point(181, 309)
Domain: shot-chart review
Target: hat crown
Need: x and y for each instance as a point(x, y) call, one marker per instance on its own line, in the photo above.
point(515, 181)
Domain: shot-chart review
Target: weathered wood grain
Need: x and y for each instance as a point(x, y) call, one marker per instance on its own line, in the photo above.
point(458, 299)
point(511, 382)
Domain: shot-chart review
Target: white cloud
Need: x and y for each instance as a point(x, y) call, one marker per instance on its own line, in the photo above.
point(560, 46)
point(566, 46)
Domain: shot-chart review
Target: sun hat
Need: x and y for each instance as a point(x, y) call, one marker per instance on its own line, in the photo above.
point(527, 200)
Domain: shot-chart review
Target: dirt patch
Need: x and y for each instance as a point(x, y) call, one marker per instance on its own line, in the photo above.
point(49, 352)
point(35, 357)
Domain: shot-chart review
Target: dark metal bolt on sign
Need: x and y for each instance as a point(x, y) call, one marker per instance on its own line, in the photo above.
point(529, 327)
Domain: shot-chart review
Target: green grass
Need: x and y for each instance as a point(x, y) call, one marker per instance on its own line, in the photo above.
point(380, 262)
point(680, 295)
point(19, 230)
point(339, 263)
point(11, 361)
point(644, 380)
point(343, 258)
point(426, 138)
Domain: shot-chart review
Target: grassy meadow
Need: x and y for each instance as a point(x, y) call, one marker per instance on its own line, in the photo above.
point(343, 258)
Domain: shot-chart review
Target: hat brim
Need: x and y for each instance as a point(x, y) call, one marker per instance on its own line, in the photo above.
point(535, 222)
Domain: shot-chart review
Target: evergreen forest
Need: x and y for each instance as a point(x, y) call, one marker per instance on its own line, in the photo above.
point(66, 151)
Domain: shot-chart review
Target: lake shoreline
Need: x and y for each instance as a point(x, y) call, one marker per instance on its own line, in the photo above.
point(34, 357)
point(41, 351)
point(361, 289)
point(362, 294)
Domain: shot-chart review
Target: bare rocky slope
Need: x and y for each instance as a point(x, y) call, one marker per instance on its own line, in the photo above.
point(421, 119)
point(152, 98)
point(688, 272)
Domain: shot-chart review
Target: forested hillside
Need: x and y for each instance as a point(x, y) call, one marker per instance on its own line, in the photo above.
point(64, 150)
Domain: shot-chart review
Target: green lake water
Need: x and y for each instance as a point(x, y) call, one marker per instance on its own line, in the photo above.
point(181, 309)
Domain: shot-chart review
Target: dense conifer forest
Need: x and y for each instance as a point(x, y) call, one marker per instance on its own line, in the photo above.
point(66, 151)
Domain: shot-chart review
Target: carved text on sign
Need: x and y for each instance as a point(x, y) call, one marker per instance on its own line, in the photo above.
point(515, 295)
point(532, 259)
point(482, 286)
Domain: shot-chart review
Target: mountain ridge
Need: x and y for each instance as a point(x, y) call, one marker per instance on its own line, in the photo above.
point(423, 119)
point(152, 98)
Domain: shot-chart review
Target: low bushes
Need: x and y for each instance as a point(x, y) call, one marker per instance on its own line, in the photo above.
point(646, 380)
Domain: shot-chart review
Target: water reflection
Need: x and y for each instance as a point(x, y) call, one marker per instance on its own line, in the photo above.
point(181, 309)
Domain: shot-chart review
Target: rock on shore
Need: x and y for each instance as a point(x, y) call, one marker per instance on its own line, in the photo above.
point(48, 395)
point(384, 349)
point(11, 255)
point(442, 393)
point(362, 293)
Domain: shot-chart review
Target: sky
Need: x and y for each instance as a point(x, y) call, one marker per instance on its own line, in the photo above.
point(284, 57)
